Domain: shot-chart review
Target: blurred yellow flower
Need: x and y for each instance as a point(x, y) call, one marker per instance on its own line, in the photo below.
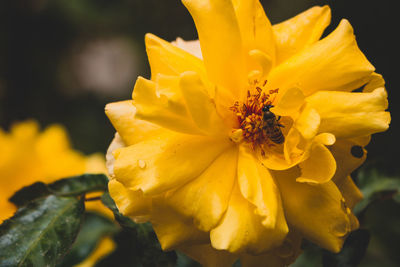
point(29, 156)
point(105, 246)
point(243, 148)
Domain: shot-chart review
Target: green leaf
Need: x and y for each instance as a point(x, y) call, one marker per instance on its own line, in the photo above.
point(72, 186)
point(29, 193)
point(375, 186)
point(80, 184)
point(94, 228)
point(41, 232)
point(352, 252)
point(311, 255)
point(121, 219)
point(185, 261)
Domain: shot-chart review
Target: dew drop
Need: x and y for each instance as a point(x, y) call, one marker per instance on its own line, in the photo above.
point(341, 229)
point(141, 164)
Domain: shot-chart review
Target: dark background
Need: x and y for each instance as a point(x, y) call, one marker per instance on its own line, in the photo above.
point(61, 61)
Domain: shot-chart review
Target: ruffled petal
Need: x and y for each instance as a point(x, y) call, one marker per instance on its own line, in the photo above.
point(319, 167)
point(168, 59)
point(207, 256)
point(308, 122)
point(375, 81)
point(173, 229)
point(201, 107)
point(333, 63)
point(241, 229)
point(160, 164)
point(259, 188)
point(350, 191)
point(346, 158)
point(349, 155)
point(131, 130)
point(301, 31)
point(221, 43)
point(317, 211)
point(161, 103)
point(130, 203)
point(206, 198)
point(348, 115)
point(255, 27)
point(289, 103)
point(192, 47)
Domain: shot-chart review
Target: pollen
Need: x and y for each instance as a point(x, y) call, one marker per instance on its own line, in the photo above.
point(250, 114)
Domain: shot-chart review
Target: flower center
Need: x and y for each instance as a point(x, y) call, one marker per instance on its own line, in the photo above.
point(260, 127)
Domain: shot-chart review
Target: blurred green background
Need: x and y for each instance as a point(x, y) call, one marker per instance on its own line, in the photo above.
point(61, 61)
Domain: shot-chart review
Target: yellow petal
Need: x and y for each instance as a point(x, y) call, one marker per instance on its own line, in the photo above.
point(168, 59)
point(350, 191)
point(132, 130)
point(201, 107)
point(375, 81)
point(192, 47)
point(294, 146)
point(221, 43)
point(157, 165)
point(162, 103)
point(346, 164)
point(206, 198)
point(333, 63)
point(116, 143)
point(207, 256)
point(259, 188)
point(263, 61)
point(308, 122)
point(347, 115)
point(255, 27)
point(289, 102)
point(346, 161)
point(319, 167)
point(316, 211)
point(173, 229)
point(278, 161)
point(241, 229)
point(301, 31)
point(130, 203)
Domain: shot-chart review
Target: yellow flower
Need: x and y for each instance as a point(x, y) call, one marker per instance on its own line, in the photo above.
point(30, 156)
point(105, 246)
point(243, 148)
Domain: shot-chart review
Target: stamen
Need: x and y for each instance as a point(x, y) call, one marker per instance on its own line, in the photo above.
point(250, 116)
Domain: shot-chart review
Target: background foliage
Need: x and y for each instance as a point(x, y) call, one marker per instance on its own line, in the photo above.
point(61, 61)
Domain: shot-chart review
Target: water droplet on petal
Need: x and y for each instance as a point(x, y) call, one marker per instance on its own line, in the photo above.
point(341, 227)
point(141, 164)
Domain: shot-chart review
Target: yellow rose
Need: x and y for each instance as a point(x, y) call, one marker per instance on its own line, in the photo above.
point(30, 156)
point(242, 143)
